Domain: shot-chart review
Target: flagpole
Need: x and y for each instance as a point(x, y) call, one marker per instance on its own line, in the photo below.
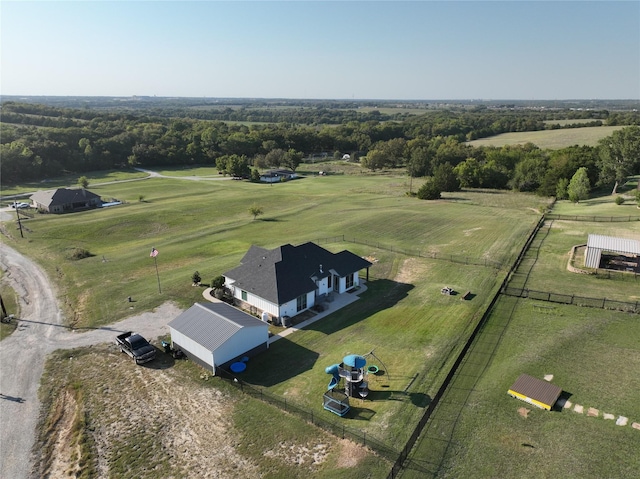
point(155, 260)
point(154, 254)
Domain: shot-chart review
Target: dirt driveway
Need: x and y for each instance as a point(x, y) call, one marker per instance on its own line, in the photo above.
point(22, 355)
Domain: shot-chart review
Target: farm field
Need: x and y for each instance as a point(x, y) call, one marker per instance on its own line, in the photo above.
point(206, 226)
point(550, 139)
point(594, 356)
point(72, 182)
point(478, 429)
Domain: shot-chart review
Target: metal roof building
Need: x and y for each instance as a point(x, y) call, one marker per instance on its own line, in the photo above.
point(535, 391)
point(214, 334)
point(596, 244)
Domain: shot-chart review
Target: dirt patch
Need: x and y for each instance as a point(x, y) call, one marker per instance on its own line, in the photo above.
point(524, 412)
point(141, 421)
point(350, 454)
point(64, 453)
point(410, 270)
point(300, 454)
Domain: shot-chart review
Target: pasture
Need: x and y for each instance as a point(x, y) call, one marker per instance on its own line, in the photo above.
point(593, 354)
point(550, 139)
point(594, 357)
point(206, 226)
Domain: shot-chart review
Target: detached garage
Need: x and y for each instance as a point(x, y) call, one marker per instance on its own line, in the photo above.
point(215, 334)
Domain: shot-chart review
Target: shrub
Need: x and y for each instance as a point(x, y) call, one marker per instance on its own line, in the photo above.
point(195, 278)
point(79, 253)
point(429, 191)
point(217, 282)
point(619, 200)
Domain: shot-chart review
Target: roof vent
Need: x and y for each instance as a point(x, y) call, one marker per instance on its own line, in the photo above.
point(321, 268)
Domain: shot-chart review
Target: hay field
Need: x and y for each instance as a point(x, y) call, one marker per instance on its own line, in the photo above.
point(550, 139)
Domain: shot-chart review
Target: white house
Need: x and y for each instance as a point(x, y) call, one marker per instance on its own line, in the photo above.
point(274, 176)
point(288, 280)
point(215, 334)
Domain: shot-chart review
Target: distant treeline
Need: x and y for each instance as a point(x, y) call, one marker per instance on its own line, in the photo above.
point(41, 141)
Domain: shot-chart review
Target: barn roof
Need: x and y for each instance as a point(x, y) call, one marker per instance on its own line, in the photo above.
point(211, 324)
point(611, 243)
point(536, 389)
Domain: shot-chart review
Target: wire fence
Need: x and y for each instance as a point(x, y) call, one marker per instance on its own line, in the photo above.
point(437, 441)
point(410, 252)
point(337, 429)
point(593, 219)
point(602, 303)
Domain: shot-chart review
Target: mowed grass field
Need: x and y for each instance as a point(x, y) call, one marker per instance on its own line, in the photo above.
point(550, 139)
point(594, 357)
point(205, 226)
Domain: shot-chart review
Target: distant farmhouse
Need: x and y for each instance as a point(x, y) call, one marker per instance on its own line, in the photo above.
point(274, 176)
point(65, 200)
point(288, 280)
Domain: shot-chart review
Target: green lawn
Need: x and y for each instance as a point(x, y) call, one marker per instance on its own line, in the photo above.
point(550, 139)
point(594, 357)
point(206, 226)
point(71, 181)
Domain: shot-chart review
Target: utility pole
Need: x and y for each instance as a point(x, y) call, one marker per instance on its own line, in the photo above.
point(15, 205)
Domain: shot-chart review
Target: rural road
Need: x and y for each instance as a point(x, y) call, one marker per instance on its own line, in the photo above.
point(22, 355)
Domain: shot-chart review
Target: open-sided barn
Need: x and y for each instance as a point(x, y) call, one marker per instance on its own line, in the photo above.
point(597, 244)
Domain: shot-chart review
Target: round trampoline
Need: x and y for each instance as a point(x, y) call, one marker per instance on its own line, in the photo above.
point(238, 367)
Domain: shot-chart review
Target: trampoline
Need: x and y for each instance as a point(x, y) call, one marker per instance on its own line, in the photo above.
point(238, 367)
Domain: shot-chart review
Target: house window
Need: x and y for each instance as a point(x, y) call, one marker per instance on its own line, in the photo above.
point(329, 278)
point(244, 295)
point(349, 281)
point(301, 303)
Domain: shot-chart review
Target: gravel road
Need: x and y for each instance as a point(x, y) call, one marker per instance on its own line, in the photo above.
point(22, 355)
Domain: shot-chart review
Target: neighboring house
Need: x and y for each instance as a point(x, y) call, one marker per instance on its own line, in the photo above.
point(65, 200)
point(273, 176)
point(215, 334)
point(290, 279)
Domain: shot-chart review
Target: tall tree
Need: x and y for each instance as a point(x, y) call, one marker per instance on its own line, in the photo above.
point(579, 186)
point(619, 156)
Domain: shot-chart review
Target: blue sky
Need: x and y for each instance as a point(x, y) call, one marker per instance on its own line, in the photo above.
point(336, 50)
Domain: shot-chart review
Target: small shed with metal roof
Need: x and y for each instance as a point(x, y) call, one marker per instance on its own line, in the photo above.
point(535, 391)
point(215, 334)
point(596, 244)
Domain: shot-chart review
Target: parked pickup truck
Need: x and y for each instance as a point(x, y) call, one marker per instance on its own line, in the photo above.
point(136, 346)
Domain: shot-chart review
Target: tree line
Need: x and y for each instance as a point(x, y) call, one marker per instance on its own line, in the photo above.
point(41, 141)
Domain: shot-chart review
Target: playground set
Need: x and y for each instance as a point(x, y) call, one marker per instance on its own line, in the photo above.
point(350, 376)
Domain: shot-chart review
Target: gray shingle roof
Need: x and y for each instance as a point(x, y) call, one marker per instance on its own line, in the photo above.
point(211, 324)
point(62, 196)
point(284, 273)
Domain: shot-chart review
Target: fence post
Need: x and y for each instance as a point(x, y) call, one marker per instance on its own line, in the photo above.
point(312, 417)
point(604, 300)
point(364, 438)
